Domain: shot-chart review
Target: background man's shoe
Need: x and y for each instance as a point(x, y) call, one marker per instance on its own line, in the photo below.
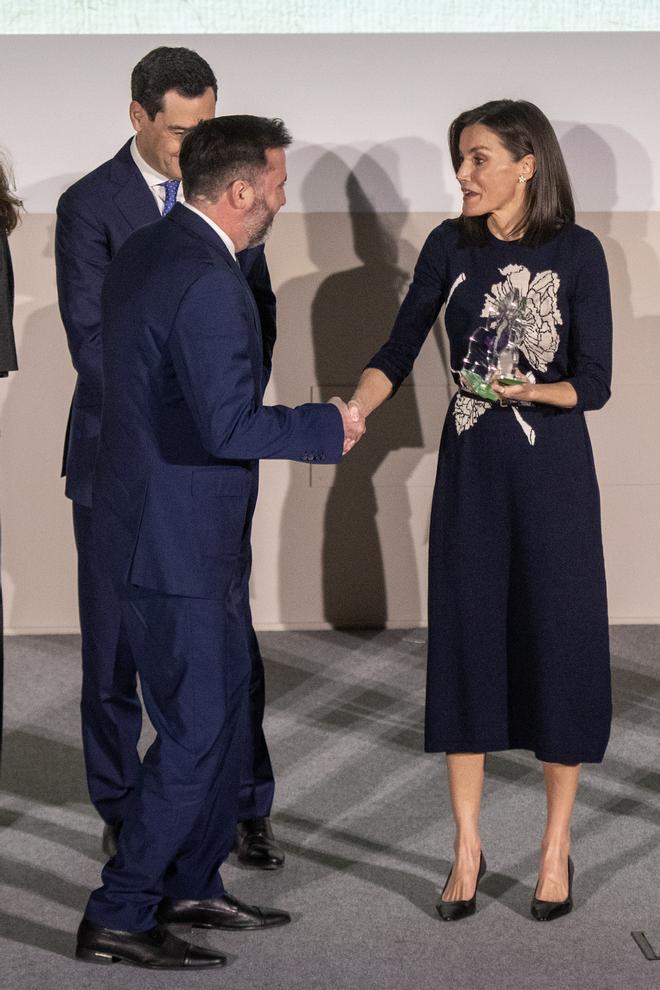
point(221, 912)
point(256, 846)
point(155, 949)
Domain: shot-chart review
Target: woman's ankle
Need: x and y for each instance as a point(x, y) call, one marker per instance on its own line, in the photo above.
point(467, 846)
point(556, 845)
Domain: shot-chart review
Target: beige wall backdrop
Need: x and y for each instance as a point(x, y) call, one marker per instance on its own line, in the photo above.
point(369, 177)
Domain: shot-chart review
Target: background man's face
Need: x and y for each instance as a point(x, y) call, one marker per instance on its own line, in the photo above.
point(159, 140)
point(270, 197)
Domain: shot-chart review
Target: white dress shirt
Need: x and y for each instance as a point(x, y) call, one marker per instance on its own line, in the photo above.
point(153, 178)
point(225, 238)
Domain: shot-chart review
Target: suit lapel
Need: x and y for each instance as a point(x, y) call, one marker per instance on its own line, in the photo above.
point(186, 218)
point(133, 197)
point(193, 223)
point(255, 311)
point(256, 321)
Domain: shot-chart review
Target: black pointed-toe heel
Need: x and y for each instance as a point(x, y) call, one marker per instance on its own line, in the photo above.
point(549, 910)
point(456, 910)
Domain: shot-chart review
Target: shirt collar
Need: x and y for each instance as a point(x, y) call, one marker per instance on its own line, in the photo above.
point(225, 238)
point(149, 174)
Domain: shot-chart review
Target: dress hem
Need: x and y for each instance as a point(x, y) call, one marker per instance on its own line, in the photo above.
point(568, 759)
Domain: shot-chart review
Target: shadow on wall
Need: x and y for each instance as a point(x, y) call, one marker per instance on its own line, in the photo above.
point(592, 158)
point(352, 310)
point(624, 434)
point(37, 540)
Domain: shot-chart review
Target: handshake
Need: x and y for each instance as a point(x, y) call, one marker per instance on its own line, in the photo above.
point(353, 419)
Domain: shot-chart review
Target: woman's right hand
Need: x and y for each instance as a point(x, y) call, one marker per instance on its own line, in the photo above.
point(372, 389)
point(353, 422)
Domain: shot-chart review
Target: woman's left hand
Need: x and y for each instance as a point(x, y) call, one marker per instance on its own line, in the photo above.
point(560, 394)
point(525, 392)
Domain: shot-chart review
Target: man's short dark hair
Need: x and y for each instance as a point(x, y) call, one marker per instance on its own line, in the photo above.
point(221, 150)
point(164, 69)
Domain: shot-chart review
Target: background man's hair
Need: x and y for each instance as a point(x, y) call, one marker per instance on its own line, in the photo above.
point(163, 69)
point(219, 151)
point(10, 204)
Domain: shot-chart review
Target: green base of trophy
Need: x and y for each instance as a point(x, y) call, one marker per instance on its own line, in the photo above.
point(510, 381)
point(478, 385)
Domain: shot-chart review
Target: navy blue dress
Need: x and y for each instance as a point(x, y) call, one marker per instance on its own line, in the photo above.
point(7, 364)
point(518, 654)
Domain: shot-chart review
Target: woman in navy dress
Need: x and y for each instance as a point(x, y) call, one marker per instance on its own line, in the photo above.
point(518, 653)
point(10, 207)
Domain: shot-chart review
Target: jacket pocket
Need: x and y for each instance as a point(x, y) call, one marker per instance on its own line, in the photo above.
point(220, 502)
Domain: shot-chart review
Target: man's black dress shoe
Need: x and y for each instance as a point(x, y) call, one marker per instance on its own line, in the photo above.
point(256, 846)
point(455, 910)
point(155, 949)
point(109, 840)
point(549, 910)
point(221, 912)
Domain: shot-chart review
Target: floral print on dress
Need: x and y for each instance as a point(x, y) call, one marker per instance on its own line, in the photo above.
point(467, 411)
point(541, 316)
point(540, 339)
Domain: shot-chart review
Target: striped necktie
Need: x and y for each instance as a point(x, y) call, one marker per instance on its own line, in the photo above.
point(171, 187)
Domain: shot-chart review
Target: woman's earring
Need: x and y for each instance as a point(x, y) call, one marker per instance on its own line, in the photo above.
point(521, 178)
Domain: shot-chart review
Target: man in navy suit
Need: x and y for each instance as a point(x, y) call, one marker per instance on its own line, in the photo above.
point(172, 89)
point(183, 422)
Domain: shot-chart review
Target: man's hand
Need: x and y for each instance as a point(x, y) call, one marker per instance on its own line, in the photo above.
point(354, 422)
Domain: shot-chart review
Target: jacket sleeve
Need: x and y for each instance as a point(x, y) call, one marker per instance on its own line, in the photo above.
point(258, 278)
point(419, 311)
point(590, 341)
point(210, 348)
point(82, 257)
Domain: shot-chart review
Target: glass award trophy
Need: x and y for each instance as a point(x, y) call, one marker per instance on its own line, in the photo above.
point(495, 347)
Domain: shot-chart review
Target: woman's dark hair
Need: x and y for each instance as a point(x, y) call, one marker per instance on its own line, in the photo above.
point(10, 204)
point(523, 130)
point(163, 69)
point(223, 149)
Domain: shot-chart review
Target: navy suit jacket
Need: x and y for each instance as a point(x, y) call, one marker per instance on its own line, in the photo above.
point(183, 419)
point(94, 218)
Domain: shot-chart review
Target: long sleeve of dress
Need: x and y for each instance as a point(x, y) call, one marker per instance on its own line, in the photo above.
point(590, 343)
point(8, 360)
point(419, 311)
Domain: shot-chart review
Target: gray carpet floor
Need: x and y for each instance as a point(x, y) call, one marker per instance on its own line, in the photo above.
point(364, 817)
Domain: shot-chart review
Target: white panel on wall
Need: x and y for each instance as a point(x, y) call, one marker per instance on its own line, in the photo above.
point(631, 533)
point(626, 436)
point(345, 16)
point(599, 90)
point(369, 177)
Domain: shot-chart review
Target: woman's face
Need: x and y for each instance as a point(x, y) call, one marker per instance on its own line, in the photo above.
point(490, 179)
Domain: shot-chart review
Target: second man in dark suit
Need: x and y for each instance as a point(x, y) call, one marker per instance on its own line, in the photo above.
point(172, 90)
point(183, 422)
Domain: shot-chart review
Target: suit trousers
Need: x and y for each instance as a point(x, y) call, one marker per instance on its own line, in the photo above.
point(257, 780)
point(178, 828)
point(110, 708)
